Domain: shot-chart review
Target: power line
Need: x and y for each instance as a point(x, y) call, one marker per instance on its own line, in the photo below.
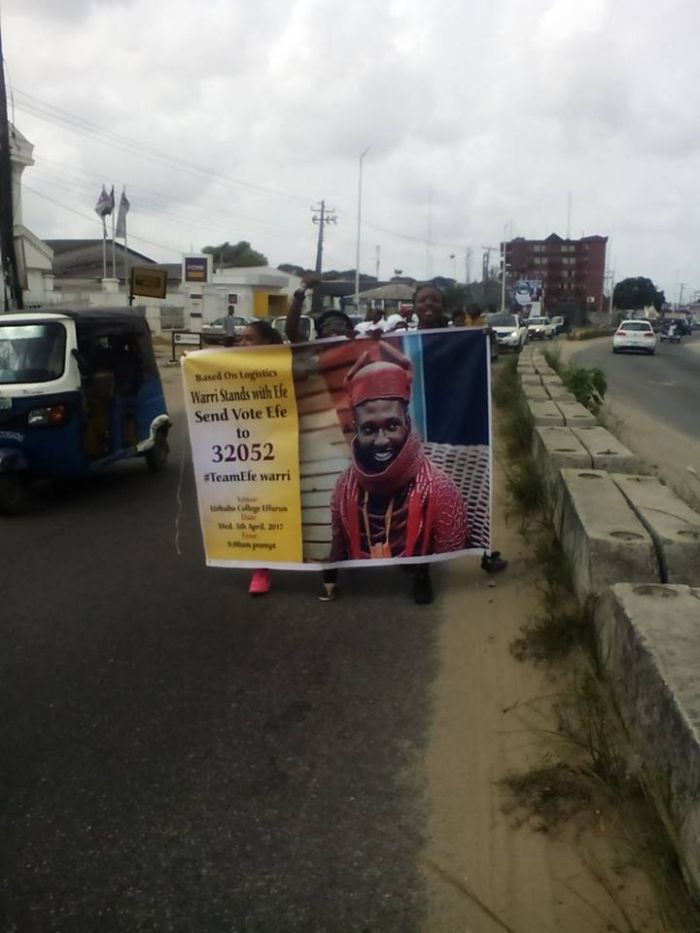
point(45, 111)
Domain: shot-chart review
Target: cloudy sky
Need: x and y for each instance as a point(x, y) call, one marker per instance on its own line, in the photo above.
point(229, 120)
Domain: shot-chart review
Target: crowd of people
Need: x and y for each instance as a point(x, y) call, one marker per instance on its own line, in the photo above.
point(379, 506)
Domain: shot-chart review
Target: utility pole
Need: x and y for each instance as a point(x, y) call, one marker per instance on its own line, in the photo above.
point(467, 265)
point(359, 229)
point(377, 265)
point(504, 269)
point(321, 216)
point(486, 262)
point(10, 270)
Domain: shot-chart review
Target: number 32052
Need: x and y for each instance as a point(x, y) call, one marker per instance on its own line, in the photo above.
point(234, 453)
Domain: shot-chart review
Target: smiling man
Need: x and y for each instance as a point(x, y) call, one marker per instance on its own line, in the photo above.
point(391, 501)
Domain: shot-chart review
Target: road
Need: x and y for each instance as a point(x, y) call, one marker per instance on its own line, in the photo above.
point(175, 758)
point(653, 407)
point(664, 386)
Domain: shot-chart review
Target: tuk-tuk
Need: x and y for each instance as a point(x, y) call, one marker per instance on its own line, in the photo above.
point(79, 390)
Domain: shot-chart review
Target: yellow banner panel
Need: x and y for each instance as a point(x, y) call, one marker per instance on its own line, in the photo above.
point(244, 429)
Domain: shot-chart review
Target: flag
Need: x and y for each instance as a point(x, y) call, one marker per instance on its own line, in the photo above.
point(121, 216)
point(105, 203)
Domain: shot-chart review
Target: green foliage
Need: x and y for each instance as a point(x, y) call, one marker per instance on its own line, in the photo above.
point(633, 294)
point(587, 385)
point(241, 254)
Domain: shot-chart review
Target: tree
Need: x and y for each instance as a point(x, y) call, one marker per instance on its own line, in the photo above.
point(633, 294)
point(241, 254)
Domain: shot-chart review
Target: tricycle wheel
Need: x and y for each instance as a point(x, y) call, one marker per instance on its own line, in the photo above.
point(157, 456)
point(13, 494)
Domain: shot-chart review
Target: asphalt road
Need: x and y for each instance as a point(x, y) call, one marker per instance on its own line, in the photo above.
point(179, 757)
point(664, 386)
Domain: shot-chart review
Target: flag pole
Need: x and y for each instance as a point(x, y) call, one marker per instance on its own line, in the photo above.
point(104, 248)
point(114, 250)
point(127, 287)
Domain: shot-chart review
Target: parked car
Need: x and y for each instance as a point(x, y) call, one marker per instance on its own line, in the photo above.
point(306, 325)
point(510, 331)
point(540, 328)
point(213, 332)
point(635, 335)
point(560, 324)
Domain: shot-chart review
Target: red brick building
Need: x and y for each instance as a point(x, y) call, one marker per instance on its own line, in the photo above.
point(572, 271)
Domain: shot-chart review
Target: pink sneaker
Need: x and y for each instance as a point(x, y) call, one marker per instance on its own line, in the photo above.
point(260, 583)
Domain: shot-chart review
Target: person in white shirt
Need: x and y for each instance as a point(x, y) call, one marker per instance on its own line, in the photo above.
point(373, 325)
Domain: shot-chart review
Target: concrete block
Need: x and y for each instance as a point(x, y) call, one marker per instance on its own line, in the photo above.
point(552, 449)
point(551, 380)
point(531, 380)
point(544, 369)
point(606, 451)
point(575, 415)
point(601, 535)
point(560, 394)
point(545, 413)
point(535, 393)
point(673, 526)
point(649, 645)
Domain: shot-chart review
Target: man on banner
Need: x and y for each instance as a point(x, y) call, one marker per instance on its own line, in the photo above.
point(391, 501)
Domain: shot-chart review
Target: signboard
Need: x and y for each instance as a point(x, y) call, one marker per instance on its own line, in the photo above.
point(233, 299)
point(187, 337)
point(342, 453)
point(149, 282)
point(196, 269)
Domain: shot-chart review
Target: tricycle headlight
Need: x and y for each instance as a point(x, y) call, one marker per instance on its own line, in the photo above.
point(52, 414)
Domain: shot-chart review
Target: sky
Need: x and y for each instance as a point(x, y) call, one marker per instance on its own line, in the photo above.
point(480, 120)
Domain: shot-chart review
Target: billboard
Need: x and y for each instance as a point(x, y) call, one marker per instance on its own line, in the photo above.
point(196, 269)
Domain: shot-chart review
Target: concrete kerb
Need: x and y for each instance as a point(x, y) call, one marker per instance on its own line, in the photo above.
point(620, 527)
point(535, 393)
point(561, 395)
point(607, 453)
point(650, 651)
point(601, 535)
point(555, 447)
point(673, 526)
point(544, 413)
point(575, 415)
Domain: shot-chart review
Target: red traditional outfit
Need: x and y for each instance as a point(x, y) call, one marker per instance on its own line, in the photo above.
point(411, 508)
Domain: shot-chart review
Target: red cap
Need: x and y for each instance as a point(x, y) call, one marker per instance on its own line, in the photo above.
point(381, 372)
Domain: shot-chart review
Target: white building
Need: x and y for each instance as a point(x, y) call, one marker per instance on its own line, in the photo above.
point(34, 257)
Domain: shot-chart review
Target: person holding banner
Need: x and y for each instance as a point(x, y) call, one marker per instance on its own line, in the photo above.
point(259, 334)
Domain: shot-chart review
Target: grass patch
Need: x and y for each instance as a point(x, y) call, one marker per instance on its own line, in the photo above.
point(592, 772)
point(549, 795)
point(554, 633)
point(588, 385)
point(525, 487)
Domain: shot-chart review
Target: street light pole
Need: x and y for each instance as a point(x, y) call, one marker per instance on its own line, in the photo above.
point(359, 231)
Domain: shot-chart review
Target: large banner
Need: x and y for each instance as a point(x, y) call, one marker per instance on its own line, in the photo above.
point(342, 452)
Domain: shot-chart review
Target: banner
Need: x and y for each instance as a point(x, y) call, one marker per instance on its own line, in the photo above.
point(342, 452)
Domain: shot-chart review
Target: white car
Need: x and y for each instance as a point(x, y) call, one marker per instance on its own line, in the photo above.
point(539, 328)
point(635, 335)
point(213, 331)
point(511, 333)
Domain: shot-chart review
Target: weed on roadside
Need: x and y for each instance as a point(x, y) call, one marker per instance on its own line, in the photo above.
point(548, 795)
point(588, 386)
point(591, 773)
